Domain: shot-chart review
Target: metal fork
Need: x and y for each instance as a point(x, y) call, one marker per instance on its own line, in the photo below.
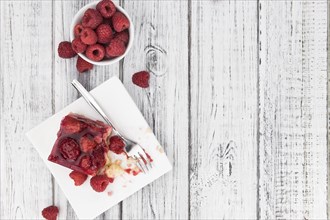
point(132, 148)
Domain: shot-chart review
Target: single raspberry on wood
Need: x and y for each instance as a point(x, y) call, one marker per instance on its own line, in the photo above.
point(106, 7)
point(104, 33)
point(88, 36)
point(120, 22)
point(115, 48)
point(99, 183)
point(141, 79)
point(92, 18)
point(78, 46)
point(50, 213)
point(83, 65)
point(95, 52)
point(77, 30)
point(78, 178)
point(65, 50)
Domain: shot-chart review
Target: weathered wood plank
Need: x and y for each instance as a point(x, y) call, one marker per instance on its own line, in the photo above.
point(223, 110)
point(64, 72)
point(161, 45)
point(293, 93)
point(25, 70)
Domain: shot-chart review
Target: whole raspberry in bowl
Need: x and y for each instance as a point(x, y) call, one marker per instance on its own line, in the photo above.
point(102, 23)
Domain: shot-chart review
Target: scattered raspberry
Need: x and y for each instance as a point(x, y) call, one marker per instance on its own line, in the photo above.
point(78, 46)
point(88, 36)
point(65, 50)
point(69, 149)
point(95, 52)
point(77, 30)
point(104, 33)
point(120, 22)
point(92, 18)
point(123, 36)
point(116, 145)
point(79, 178)
point(106, 8)
point(87, 143)
point(50, 213)
point(83, 65)
point(141, 79)
point(99, 183)
point(115, 48)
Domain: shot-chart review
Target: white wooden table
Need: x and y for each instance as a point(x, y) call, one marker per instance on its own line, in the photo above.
point(238, 99)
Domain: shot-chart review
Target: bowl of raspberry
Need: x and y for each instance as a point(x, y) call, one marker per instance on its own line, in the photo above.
point(102, 33)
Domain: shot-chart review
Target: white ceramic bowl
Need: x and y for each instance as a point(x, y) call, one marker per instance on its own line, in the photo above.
point(77, 19)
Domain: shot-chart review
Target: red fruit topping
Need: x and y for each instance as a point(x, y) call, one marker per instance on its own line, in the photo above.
point(88, 36)
point(123, 36)
point(86, 162)
point(141, 79)
point(99, 158)
point(87, 143)
point(76, 148)
point(104, 33)
point(95, 52)
point(83, 65)
point(120, 22)
point(69, 149)
point(106, 8)
point(116, 145)
point(65, 50)
point(79, 178)
point(92, 18)
point(115, 48)
point(77, 30)
point(78, 46)
point(99, 183)
point(71, 125)
point(50, 213)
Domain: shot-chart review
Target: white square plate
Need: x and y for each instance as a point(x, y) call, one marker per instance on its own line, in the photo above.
point(126, 117)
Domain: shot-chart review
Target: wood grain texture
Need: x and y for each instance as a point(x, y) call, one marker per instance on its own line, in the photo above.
point(25, 99)
point(223, 110)
point(161, 46)
point(293, 91)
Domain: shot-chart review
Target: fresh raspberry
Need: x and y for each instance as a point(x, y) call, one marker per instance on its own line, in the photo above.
point(92, 18)
point(106, 8)
point(83, 65)
point(99, 183)
point(123, 36)
point(141, 79)
point(65, 50)
point(115, 48)
point(50, 213)
point(104, 33)
point(77, 30)
point(88, 36)
point(120, 22)
point(116, 144)
point(71, 125)
point(85, 162)
point(87, 143)
point(78, 46)
point(79, 178)
point(69, 149)
point(95, 52)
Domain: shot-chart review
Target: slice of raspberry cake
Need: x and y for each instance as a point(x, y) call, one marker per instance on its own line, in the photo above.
point(82, 144)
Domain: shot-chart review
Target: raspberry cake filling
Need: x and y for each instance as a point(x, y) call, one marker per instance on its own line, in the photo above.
point(87, 147)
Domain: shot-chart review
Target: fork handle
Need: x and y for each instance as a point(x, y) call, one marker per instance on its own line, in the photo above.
point(92, 102)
